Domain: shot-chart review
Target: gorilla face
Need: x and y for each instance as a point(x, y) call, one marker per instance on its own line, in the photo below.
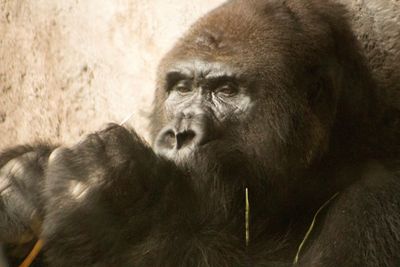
point(203, 99)
point(249, 84)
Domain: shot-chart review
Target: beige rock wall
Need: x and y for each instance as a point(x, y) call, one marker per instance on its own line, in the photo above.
point(67, 67)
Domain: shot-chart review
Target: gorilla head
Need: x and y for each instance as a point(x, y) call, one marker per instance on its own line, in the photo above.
point(254, 80)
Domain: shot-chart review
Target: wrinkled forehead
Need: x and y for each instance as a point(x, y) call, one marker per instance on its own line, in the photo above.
point(230, 39)
point(196, 67)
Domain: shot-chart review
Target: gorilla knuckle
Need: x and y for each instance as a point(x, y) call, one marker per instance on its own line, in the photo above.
point(112, 130)
point(18, 187)
point(109, 126)
point(114, 136)
point(58, 155)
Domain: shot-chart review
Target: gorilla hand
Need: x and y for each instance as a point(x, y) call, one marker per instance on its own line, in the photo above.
point(21, 202)
point(102, 195)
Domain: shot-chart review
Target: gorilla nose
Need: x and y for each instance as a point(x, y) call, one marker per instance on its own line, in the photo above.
point(183, 136)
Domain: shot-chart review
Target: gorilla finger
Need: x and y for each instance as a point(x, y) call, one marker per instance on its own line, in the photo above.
point(58, 154)
point(21, 183)
point(123, 144)
point(70, 177)
point(90, 146)
point(116, 136)
point(112, 138)
point(109, 126)
point(64, 164)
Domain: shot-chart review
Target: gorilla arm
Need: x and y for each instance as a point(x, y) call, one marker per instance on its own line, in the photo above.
point(99, 198)
point(105, 195)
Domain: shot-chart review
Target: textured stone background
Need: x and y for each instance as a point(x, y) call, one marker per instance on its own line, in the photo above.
point(67, 67)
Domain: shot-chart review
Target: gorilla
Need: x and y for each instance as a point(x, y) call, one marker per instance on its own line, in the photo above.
point(275, 142)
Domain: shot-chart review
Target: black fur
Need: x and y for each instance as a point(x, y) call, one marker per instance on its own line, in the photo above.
point(275, 96)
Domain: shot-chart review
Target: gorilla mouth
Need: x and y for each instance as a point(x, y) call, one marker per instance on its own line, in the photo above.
point(209, 156)
point(187, 154)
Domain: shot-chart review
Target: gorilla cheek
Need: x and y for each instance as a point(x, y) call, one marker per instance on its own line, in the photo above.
point(237, 109)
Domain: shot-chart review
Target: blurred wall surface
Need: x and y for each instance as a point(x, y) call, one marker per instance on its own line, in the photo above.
point(67, 67)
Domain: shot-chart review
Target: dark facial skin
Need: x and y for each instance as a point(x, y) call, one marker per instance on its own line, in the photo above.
point(203, 97)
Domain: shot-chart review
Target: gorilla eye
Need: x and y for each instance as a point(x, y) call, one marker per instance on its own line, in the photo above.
point(183, 87)
point(228, 90)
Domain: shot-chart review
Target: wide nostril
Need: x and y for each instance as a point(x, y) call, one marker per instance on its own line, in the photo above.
point(184, 138)
point(169, 138)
